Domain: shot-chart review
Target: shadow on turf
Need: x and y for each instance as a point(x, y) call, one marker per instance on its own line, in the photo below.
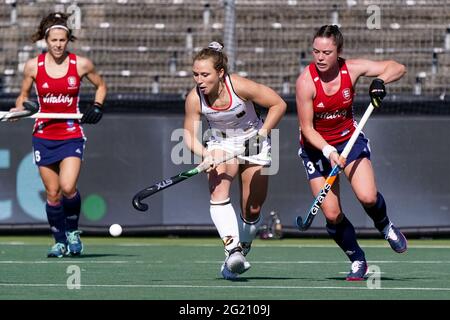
point(263, 278)
point(381, 279)
point(99, 255)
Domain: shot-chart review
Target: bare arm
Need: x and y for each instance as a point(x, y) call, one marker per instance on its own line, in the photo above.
point(192, 120)
point(86, 69)
point(29, 75)
point(387, 70)
point(263, 96)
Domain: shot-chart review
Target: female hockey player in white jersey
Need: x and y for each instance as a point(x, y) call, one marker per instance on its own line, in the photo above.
point(227, 103)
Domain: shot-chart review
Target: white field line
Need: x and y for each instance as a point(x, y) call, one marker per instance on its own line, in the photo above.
point(335, 262)
point(178, 286)
point(259, 245)
point(73, 261)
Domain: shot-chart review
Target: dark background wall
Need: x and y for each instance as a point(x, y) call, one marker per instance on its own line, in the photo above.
point(127, 152)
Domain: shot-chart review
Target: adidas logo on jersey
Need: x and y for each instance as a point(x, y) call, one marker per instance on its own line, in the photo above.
point(321, 105)
point(45, 85)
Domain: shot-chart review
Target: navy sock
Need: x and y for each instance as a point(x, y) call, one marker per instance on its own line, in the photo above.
point(57, 221)
point(72, 211)
point(344, 235)
point(378, 213)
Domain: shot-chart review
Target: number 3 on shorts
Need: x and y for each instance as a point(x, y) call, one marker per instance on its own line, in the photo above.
point(310, 167)
point(37, 156)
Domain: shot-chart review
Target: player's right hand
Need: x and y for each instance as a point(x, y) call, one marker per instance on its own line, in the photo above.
point(336, 159)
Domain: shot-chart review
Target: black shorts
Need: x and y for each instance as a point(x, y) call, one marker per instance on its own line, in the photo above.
point(316, 165)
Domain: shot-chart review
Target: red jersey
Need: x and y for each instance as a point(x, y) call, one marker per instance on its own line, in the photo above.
point(333, 115)
point(57, 95)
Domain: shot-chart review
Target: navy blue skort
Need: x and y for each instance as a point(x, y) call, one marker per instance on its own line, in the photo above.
point(316, 165)
point(47, 152)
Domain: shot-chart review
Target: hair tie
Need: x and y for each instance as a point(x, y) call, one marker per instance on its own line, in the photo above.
point(215, 46)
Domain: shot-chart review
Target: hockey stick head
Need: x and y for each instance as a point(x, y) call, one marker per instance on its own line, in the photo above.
point(31, 106)
point(304, 225)
point(299, 223)
point(138, 205)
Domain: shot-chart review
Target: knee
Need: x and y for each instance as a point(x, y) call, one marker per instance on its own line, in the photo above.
point(333, 217)
point(68, 190)
point(53, 196)
point(368, 200)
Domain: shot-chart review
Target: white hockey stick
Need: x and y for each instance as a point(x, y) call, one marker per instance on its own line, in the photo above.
point(305, 224)
point(30, 108)
point(5, 115)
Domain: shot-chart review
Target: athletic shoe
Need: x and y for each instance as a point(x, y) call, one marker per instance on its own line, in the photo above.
point(74, 245)
point(57, 251)
point(226, 273)
point(236, 261)
point(358, 271)
point(234, 264)
point(246, 247)
point(396, 239)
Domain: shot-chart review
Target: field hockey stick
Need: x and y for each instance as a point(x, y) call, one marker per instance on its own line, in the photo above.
point(164, 184)
point(303, 225)
point(43, 115)
point(30, 109)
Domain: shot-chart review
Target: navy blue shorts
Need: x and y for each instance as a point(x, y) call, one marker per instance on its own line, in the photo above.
point(316, 165)
point(46, 152)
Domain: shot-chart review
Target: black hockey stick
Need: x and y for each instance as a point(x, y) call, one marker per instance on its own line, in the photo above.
point(164, 184)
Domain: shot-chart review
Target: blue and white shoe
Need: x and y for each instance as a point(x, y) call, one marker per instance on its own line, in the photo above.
point(235, 264)
point(74, 244)
point(226, 273)
point(396, 239)
point(58, 250)
point(358, 271)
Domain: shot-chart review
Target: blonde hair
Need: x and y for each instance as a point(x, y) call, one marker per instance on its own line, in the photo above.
point(215, 52)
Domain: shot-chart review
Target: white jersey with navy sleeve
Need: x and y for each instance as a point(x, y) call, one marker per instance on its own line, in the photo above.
point(231, 126)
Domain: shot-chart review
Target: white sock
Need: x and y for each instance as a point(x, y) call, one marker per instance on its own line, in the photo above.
point(224, 218)
point(248, 230)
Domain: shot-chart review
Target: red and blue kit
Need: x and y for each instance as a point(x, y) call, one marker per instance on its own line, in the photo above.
point(333, 115)
point(333, 119)
point(57, 95)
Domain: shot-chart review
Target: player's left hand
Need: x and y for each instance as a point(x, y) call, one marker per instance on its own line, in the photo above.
point(377, 91)
point(92, 114)
point(210, 162)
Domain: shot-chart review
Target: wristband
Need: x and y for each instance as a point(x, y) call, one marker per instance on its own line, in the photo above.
point(327, 150)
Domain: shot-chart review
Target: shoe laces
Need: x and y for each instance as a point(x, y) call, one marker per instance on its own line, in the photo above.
point(74, 236)
point(59, 247)
point(357, 265)
point(391, 234)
